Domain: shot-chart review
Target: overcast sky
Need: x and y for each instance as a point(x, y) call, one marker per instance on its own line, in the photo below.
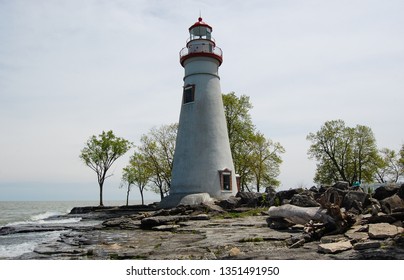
point(71, 69)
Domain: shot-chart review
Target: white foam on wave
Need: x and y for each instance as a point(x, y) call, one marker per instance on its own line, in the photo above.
point(44, 218)
point(14, 245)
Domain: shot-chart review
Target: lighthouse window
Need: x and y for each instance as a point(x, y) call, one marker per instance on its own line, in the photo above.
point(189, 94)
point(225, 180)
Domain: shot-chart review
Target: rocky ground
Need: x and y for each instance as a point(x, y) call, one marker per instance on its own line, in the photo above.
point(365, 227)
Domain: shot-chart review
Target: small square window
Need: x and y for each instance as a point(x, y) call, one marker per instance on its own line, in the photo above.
point(189, 94)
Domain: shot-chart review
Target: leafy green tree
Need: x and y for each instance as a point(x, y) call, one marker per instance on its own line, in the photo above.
point(137, 173)
point(389, 169)
point(158, 147)
point(343, 153)
point(101, 152)
point(265, 160)
point(256, 159)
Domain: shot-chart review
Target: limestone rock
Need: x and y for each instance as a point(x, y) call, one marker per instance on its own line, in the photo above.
point(334, 248)
point(304, 200)
point(166, 227)
point(234, 252)
point(299, 215)
point(367, 245)
point(383, 231)
point(384, 192)
point(341, 185)
point(390, 204)
point(230, 203)
point(162, 220)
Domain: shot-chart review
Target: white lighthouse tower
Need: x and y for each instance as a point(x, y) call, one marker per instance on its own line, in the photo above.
point(203, 166)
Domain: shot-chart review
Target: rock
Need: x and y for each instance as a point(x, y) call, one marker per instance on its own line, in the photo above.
point(358, 233)
point(367, 245)
point(297, 244)
point(230, 203)
point(383, 231)
point(200, 217)
point(248, 199)
point(341, 185)
point(383, 192)
point(299, 215)
point(334, 248)
point(400, 191)
point(234, 252)
point(166, 227)
point(333, 239)
point(304, 200)
point(278, 223)
point(381, 219)
point(162, 220)
point(390, 204)
point(357, 200)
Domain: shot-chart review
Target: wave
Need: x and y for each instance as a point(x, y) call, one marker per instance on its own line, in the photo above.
point(49, 217)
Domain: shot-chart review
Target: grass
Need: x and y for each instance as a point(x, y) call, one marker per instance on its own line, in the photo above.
point(234, 215)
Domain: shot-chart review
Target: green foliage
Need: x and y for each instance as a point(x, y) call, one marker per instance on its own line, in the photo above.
point(137, 172)
point(233, 215)
point(389, 169)
point(157, 147)
point(343, 153)
point(101, 152)
point(256, 158)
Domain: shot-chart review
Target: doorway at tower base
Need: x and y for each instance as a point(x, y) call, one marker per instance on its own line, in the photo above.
point(173, 200)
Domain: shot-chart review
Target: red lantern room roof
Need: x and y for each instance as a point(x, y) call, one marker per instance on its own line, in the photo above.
point(200, 22)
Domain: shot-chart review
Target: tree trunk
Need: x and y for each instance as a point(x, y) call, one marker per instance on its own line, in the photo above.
point(101, 203)
point(141, 195)
point(127, 195)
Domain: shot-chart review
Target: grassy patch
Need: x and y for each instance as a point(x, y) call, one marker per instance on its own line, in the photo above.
point(234, 215)
point(252, 239)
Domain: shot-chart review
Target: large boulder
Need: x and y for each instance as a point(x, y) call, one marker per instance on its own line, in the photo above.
point(248, 199)
point(357, 200)
point(400, 192)
point(304, 200)
point(335, 247)
point(229, 203)
point(390, 204)
point(341, 185)
point(383, 192)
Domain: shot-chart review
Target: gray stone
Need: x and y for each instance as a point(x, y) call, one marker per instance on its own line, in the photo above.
point(200, 217)
point(304, 200)
point(367, 245)
point(383, 192)
point(166, 227)
point(392, 203)
point(341, 185)
point(229, 203)
point(162, 220)
point(334, 248)
point(383, 231)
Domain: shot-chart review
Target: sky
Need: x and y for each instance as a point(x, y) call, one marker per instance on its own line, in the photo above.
point(71, 69)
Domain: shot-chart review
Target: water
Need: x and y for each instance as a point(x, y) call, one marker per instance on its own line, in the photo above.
point(14, 213)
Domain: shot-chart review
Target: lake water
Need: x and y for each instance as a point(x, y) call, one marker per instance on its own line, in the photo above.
point(14, 213)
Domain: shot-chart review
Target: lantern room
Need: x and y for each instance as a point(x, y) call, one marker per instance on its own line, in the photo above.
point(200, 43)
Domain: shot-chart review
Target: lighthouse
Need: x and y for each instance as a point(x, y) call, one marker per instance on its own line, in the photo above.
point(203, 167)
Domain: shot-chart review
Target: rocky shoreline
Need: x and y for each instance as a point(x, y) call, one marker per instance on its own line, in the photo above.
point(241, 227)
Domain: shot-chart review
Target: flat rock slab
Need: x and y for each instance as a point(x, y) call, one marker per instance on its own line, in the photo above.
point(334, 248)
point(367, 245)
point(383, 231)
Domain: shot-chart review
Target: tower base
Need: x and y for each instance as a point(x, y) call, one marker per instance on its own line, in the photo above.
point(173, 200)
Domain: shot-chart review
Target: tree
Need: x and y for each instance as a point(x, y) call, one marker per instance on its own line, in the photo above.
point(101, 152)
point(401, 160)
point(389, 169)
point(136, 173)
point(158, 147)
point(256, 159)
point(265, 160)
point(343, 153)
